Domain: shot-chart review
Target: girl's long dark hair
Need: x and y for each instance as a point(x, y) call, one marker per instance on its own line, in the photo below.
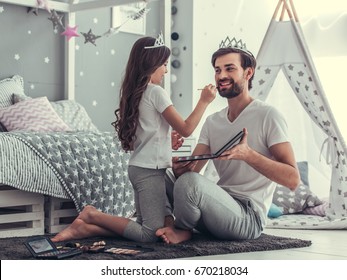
point(141, 65)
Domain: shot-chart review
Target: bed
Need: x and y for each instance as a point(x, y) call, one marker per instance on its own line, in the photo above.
point(52, 153)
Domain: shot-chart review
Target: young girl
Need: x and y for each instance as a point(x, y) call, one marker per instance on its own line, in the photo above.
point(143, 125)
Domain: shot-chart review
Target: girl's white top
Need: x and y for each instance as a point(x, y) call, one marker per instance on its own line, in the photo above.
point(152, 147)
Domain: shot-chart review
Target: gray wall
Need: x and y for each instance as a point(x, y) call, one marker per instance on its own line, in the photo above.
point(98, 70)
point(32, 38)
point(182, 77)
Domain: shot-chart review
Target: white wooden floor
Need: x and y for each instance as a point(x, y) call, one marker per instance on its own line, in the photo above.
point(326, 245)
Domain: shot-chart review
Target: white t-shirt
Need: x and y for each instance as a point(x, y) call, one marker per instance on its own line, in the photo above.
point(266, 127)
point(152, 147)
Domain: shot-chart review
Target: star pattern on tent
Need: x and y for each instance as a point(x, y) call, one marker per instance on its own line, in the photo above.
point(56, 19)
point(261, 82)
point(90, 37)
point(1, 9)
point(70, 32)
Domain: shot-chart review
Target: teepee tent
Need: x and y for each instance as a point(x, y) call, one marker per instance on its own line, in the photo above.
point(284, 48)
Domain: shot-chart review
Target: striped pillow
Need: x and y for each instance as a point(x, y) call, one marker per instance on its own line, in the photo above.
point(8, 87)
point(70, 111)
point(35, 114)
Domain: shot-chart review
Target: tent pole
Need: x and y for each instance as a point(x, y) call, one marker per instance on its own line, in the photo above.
point(290, 15)
point(277, 8)
point(294, 11)
point(283, 11)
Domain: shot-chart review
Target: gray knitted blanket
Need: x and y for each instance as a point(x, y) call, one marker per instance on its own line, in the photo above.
point(88, 167)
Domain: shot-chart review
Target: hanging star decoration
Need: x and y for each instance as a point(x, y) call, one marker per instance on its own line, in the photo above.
point(136, 16)
point(139, 14)
point(43, 4)
point(70, 32)
point(56, 19)
point(34, 10)
point(111, 31)
point(90, 37)
point(40, 4)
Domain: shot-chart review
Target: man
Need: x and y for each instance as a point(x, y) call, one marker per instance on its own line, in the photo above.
point(235, 207)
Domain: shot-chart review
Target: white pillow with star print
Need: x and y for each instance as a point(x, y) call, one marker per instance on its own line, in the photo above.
point(295, 201)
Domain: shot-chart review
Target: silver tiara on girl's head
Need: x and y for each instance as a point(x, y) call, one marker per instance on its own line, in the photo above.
point(235, 44)
point(159, 42)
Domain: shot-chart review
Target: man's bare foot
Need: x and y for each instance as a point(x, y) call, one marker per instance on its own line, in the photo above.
point(173, 235)
point(74, 231)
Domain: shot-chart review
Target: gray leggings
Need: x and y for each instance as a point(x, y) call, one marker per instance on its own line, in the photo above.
point(150, 201)
point(201, 204)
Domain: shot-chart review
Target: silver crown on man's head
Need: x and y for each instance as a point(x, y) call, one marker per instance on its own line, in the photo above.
point(235, 44)
point(159, 42)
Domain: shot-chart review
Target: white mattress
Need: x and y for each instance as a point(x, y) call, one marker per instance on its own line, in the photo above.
point(300, 221)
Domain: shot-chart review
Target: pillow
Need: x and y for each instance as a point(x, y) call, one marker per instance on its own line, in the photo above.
point(303, 169)
point(71, 112)
point(319, 210)
point(75, 115)
point(32, 115)
point(2, 128)
point(296, 201)
point(274, 211)
point(8, 87)
point(15, 98)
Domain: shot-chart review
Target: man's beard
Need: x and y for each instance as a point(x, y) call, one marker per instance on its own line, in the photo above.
point(233, 91)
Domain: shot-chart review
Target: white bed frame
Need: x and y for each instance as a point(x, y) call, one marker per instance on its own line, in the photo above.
point(23, 213)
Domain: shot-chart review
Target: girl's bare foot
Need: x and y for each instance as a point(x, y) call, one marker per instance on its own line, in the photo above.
point(86, 212)
point(173, 235)
point(74, 231)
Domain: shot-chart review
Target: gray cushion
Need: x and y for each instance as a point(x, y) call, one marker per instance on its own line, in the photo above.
point(8, 87)
point(295, 201)
point(303, 169)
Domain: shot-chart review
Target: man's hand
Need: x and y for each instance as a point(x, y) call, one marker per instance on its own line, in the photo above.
point(240, 151)
point(180, 168)
point(176, 140)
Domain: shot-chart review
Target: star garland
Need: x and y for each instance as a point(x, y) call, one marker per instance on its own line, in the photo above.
point(70, 31)
point(90, 37)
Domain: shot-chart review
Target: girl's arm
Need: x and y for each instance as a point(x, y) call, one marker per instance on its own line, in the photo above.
point(186, 127)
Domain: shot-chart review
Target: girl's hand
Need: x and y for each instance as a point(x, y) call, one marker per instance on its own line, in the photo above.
point(208, 93)
point(176, 140)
